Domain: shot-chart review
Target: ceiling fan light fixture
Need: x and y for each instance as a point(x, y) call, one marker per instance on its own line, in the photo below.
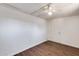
point(50, 13)
point(49, 9)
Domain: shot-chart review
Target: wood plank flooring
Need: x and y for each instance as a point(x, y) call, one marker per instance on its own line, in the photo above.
point(50, 49)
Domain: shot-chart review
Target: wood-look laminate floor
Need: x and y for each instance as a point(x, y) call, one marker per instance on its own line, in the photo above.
point(50, 49)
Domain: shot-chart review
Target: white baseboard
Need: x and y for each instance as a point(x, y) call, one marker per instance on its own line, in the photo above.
point(12, 54)
point(65, 44)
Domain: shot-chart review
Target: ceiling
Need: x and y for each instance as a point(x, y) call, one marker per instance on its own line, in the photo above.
point(35, 9)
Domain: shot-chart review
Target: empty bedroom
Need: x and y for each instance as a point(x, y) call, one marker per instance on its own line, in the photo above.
point(39, 29)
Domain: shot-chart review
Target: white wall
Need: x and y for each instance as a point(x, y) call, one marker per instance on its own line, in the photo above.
point(19, 31)
point(65, 30)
